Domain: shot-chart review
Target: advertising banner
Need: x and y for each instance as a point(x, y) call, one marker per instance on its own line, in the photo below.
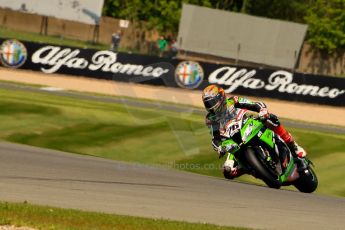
point(105, 64)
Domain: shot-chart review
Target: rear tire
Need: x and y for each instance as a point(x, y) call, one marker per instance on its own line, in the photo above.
point(307, 182)
point(260, 169)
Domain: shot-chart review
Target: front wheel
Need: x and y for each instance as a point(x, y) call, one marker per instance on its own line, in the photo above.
point(252, 158)
point(307, 182)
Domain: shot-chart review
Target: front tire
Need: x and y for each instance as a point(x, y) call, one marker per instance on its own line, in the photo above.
point(272, 181)
point(307, 182)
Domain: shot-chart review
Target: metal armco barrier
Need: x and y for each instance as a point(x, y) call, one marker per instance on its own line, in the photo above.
point(104, 64)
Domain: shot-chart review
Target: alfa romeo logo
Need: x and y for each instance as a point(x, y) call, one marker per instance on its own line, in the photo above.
point(189, 74)
point(13, 53)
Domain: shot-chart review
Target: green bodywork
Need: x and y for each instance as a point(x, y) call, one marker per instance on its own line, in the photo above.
point(290, 167)
point(267, 137)
point(251, 129)
point(231, 146)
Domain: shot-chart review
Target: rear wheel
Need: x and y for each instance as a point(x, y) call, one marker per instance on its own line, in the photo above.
point(307, 182)
point(261, 169)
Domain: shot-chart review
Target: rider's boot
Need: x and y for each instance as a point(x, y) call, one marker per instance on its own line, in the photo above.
point(297, 151)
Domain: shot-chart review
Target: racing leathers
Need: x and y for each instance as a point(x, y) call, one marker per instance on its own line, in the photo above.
point(237, 107)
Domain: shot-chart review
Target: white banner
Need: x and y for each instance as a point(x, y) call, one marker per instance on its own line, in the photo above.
point(85, 11)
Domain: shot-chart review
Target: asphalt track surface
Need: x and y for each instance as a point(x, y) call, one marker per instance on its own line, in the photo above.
point(67, 180)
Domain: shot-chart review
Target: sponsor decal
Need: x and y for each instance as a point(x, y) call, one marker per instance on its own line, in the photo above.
point(189, 74)
point(105, 64)
point(232, 78)
point(105, 61)
point(13, 53)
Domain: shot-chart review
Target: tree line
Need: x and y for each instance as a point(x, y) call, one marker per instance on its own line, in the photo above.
point(325, 18)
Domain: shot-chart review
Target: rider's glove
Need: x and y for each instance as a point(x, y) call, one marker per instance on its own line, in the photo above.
point(218, 148)
point(263, 114)
point(230, 171)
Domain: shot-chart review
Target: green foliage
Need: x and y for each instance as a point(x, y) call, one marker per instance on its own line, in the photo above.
point(163, 15)
point(326, 20)
point(291, 10)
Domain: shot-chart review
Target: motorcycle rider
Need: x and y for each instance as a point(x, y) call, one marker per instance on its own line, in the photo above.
point(220, 108)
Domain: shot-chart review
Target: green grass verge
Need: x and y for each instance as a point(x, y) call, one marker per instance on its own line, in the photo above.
point(147, 136)
point(56, 40)
point(44, 217)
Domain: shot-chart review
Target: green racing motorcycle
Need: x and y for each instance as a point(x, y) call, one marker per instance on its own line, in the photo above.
point(265, 155)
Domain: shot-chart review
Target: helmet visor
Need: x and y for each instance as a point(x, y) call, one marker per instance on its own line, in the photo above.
point(213, 105)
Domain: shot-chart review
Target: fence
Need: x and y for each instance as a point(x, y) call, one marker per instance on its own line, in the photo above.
point(135, 37)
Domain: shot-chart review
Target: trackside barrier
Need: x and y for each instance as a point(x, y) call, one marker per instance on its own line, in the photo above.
point(105, 64)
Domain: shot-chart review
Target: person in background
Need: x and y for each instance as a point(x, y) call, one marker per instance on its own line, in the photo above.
point(173, 48)
point(162, 44)
point(115, 41)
